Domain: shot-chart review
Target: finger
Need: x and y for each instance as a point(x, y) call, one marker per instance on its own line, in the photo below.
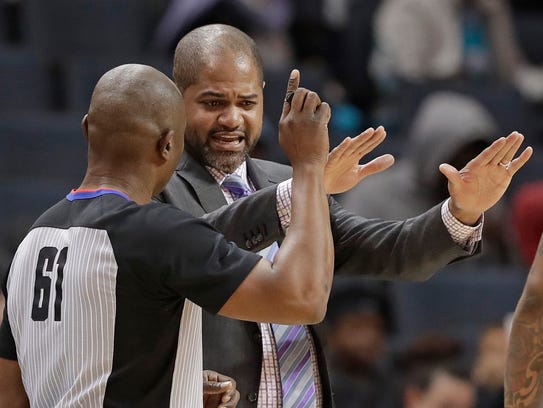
point(362, 139)
point(341, 150)
point(508, 148)
point(365, 135)
point(513, 149)
point(293, 83)
point(229, 396)
point(210, 375)
point(217, 387)
point(232, 403)
point(350, 146)
point(298, 100)
point(373, 141)
point(489, 154)
point(520, 161)
point(323, 112)
point(377, 165)
point(451, 173)
point(380, 131)
point(380, 134)
point(312, 101)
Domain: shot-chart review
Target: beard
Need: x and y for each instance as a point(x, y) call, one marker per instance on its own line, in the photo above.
point(225, 161)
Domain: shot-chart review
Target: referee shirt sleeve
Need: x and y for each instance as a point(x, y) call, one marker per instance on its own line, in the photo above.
point(210, 267)
point(188, 257)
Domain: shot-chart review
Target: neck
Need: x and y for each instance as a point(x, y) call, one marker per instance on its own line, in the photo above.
point(134, 187)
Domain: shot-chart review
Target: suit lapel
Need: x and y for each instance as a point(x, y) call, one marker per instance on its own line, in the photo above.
point(258, 176)
point(207, 191)
point(205, 187)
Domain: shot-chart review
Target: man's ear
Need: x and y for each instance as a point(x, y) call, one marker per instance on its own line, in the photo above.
point(164, 145)
point(85, 126)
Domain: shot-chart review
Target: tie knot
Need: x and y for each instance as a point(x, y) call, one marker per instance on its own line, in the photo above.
point(236, 186)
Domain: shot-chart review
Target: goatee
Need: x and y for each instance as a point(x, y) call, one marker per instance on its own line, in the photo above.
point(227, 162)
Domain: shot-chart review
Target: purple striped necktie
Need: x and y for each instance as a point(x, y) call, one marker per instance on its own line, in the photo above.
point(295, 366)
point(292, 342)
point(236, 186)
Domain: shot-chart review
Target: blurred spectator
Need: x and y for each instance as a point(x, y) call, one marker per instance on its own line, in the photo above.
point(357, 328)
point(421, 40)
point(261, 19)
point(527, 218)
point(433, 374)
point(488, 371)
point(438, 387)
point(335, 37)
point(448, 128)
point(527, 15)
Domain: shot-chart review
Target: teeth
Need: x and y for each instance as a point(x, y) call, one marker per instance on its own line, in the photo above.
point(228, 139)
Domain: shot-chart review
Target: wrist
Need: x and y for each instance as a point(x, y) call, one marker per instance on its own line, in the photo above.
point(465, 217)
point(314, 166)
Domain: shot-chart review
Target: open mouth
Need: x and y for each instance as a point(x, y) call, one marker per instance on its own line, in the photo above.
point(227, 141)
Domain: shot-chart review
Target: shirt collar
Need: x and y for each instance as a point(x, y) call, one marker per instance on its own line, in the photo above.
point(219, 176)
point(83, 194)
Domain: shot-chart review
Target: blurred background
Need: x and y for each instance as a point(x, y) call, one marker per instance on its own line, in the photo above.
point(444, 77)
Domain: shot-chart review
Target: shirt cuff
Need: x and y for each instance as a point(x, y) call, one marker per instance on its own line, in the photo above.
point(466, 236)
point(284, 209)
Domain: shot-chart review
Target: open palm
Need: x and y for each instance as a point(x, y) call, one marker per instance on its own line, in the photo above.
point(343, 171)
point(483, 181)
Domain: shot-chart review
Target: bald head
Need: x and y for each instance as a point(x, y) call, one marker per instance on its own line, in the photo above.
point(132, 100)
point(204, 44)
point(135, 124)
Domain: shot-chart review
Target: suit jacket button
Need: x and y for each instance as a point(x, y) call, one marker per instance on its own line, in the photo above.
point(248, 244)
point(252, 397)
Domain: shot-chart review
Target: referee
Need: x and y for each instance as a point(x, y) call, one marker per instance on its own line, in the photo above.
point(103, 295)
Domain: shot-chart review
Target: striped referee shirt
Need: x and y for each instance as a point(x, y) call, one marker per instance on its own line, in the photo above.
point(95, 296)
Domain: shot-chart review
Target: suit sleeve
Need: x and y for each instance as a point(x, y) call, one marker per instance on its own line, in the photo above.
point(251, 222)
point(414, 249)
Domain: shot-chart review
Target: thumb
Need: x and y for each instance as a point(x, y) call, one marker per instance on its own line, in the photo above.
point(293, 84)
point(217, 387)
point(450, 172)
point(377, 165)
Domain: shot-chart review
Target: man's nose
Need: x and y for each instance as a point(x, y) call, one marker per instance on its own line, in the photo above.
point(231, 117)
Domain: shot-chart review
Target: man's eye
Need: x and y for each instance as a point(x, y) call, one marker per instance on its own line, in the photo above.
point(212, 103)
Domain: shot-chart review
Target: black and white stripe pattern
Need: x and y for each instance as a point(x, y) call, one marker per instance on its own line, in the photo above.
point(71, 364)
point(187, 376)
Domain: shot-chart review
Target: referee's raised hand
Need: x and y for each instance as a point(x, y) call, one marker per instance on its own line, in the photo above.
point(303, 127)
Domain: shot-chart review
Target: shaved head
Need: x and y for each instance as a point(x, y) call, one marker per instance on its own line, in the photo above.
point(132, 102)
point(134, 126)
point(203, 44)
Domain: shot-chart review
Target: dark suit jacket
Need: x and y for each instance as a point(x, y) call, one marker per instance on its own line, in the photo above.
point(411, 250)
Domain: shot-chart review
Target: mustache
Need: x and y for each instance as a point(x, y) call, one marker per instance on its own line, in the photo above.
point(240, 132)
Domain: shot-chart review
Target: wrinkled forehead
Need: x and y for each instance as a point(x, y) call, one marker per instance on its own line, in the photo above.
point(221, 78)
